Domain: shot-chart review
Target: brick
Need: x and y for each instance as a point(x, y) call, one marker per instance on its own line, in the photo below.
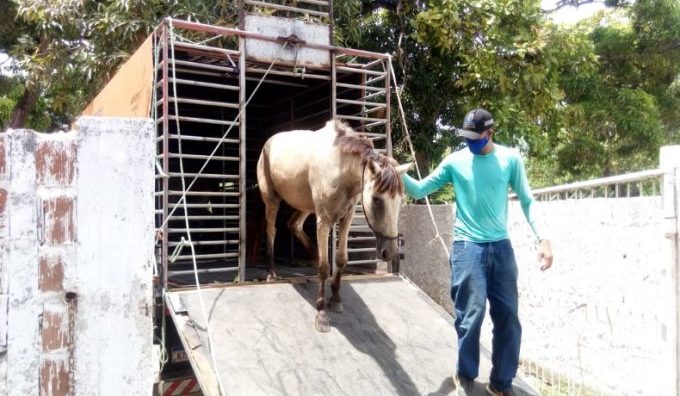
point(54, 378)
point(54, 332)
point(51, 274)
point(58, 220)
point(55, 162)
point(3, 155)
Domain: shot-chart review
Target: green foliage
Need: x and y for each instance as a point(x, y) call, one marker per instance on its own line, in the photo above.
point(582, 101)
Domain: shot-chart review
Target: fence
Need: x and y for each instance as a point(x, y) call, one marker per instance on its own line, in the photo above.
point(602, 321)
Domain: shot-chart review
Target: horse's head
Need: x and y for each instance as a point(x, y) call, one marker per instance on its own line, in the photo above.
point(381, 198)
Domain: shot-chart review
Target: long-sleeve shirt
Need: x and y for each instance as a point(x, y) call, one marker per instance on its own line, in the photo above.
point(481, 189)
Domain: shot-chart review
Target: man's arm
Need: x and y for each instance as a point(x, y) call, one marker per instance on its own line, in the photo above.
point(433, 182)
point(520, 185)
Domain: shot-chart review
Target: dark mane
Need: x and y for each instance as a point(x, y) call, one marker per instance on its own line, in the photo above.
point(349, 142)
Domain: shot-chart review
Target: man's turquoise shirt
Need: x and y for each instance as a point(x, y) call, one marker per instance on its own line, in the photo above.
point(481, 188)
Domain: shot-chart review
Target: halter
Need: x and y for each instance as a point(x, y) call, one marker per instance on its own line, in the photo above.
point(363, 171)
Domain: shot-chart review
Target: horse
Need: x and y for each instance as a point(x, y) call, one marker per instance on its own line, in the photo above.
point(326, 172)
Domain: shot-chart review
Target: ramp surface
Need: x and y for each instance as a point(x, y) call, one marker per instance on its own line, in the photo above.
point(391, 340)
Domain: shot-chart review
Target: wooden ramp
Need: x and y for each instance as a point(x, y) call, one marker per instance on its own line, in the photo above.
point(391, 340)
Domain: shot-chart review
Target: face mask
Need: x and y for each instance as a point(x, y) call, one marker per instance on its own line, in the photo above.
point(476, 146)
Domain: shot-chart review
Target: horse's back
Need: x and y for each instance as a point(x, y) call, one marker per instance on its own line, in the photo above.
point(288, 157)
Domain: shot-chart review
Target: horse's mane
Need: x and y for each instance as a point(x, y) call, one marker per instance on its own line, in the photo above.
point(349, 142)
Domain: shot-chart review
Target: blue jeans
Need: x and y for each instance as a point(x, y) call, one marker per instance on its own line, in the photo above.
point(481, 271)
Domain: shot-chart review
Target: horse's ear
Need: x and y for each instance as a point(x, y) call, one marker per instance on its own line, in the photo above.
point(403, 168)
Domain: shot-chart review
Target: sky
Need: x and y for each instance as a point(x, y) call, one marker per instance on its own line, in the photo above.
point(571, 14)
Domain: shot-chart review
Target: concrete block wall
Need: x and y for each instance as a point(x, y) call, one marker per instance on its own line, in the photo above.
point(604, 315)
point(76, 243)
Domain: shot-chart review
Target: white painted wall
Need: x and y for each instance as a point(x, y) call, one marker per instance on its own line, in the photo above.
point(108, 265)
point(25, 305)
point(115, 256)
point(604, 314)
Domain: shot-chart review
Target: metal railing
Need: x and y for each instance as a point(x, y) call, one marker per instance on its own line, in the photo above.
point(636, 184)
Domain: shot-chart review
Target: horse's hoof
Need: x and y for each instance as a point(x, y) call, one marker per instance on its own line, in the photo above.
point(336, 306)
point(322, 323)
point(271, 277)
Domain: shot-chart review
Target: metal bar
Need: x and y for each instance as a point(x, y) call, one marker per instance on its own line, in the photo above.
point(377, 79)
point(202, 157)
point(287, 8)
point(204, 194)
point(374, 109)
point(362, 71)
point(355, 262)
point(209, 243)
point(361, 239)
point(207, 229)
point(317, 2)
point(166, 165)
point(205, 270)
point(207, 256)
point(373, 95)
point(242, 164)
point(203, 139)
point(203, 120)
point(360, 250)
point(372, 135)
point(206, 66)
point(205, 175)
point(371, 125)
point(199, 72)
point(191, 217)
point(201, 84)
point(180, 44)
point(362, 103)
point(208, 206)
point(388, 117)
point(362, 87)
point(202, 27)
point(373, 120)
point(636, 176)
point(288, 74)
point(202, 102)
point(362, 65)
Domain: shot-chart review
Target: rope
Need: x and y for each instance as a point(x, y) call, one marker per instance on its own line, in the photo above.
point(186, 214)
point(185, 189)
point(413, 154)
point(217, 145)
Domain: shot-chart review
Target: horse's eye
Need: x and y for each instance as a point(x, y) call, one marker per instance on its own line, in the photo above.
point(376, 199)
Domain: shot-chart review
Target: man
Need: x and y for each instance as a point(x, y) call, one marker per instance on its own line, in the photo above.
point(482, 260)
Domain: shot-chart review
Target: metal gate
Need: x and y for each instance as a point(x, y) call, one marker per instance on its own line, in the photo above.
point(210, 134)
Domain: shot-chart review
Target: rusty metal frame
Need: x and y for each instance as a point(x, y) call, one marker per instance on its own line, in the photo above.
point(373, 69)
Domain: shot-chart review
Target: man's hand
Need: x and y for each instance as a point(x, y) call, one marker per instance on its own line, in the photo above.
point(545, 255)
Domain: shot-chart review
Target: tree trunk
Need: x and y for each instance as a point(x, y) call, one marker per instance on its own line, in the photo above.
point(23, 108)
point(26, 104)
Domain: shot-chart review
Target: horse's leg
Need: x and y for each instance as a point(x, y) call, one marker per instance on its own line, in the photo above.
point(272, 208)
point(322, 322)
point(295, 224)
point(271, 200)
point(335, 303)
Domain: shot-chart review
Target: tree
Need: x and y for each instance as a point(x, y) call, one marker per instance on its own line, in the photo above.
point(617, 116)
point(68, 49)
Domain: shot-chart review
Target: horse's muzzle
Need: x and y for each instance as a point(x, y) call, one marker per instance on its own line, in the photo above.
point(386, 249)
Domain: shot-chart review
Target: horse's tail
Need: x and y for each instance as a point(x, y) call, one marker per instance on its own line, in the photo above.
point(264, 179)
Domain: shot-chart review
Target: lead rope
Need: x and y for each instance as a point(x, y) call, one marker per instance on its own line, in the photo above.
point(413, 154)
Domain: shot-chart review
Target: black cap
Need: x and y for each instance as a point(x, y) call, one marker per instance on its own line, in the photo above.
point(476, 122)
